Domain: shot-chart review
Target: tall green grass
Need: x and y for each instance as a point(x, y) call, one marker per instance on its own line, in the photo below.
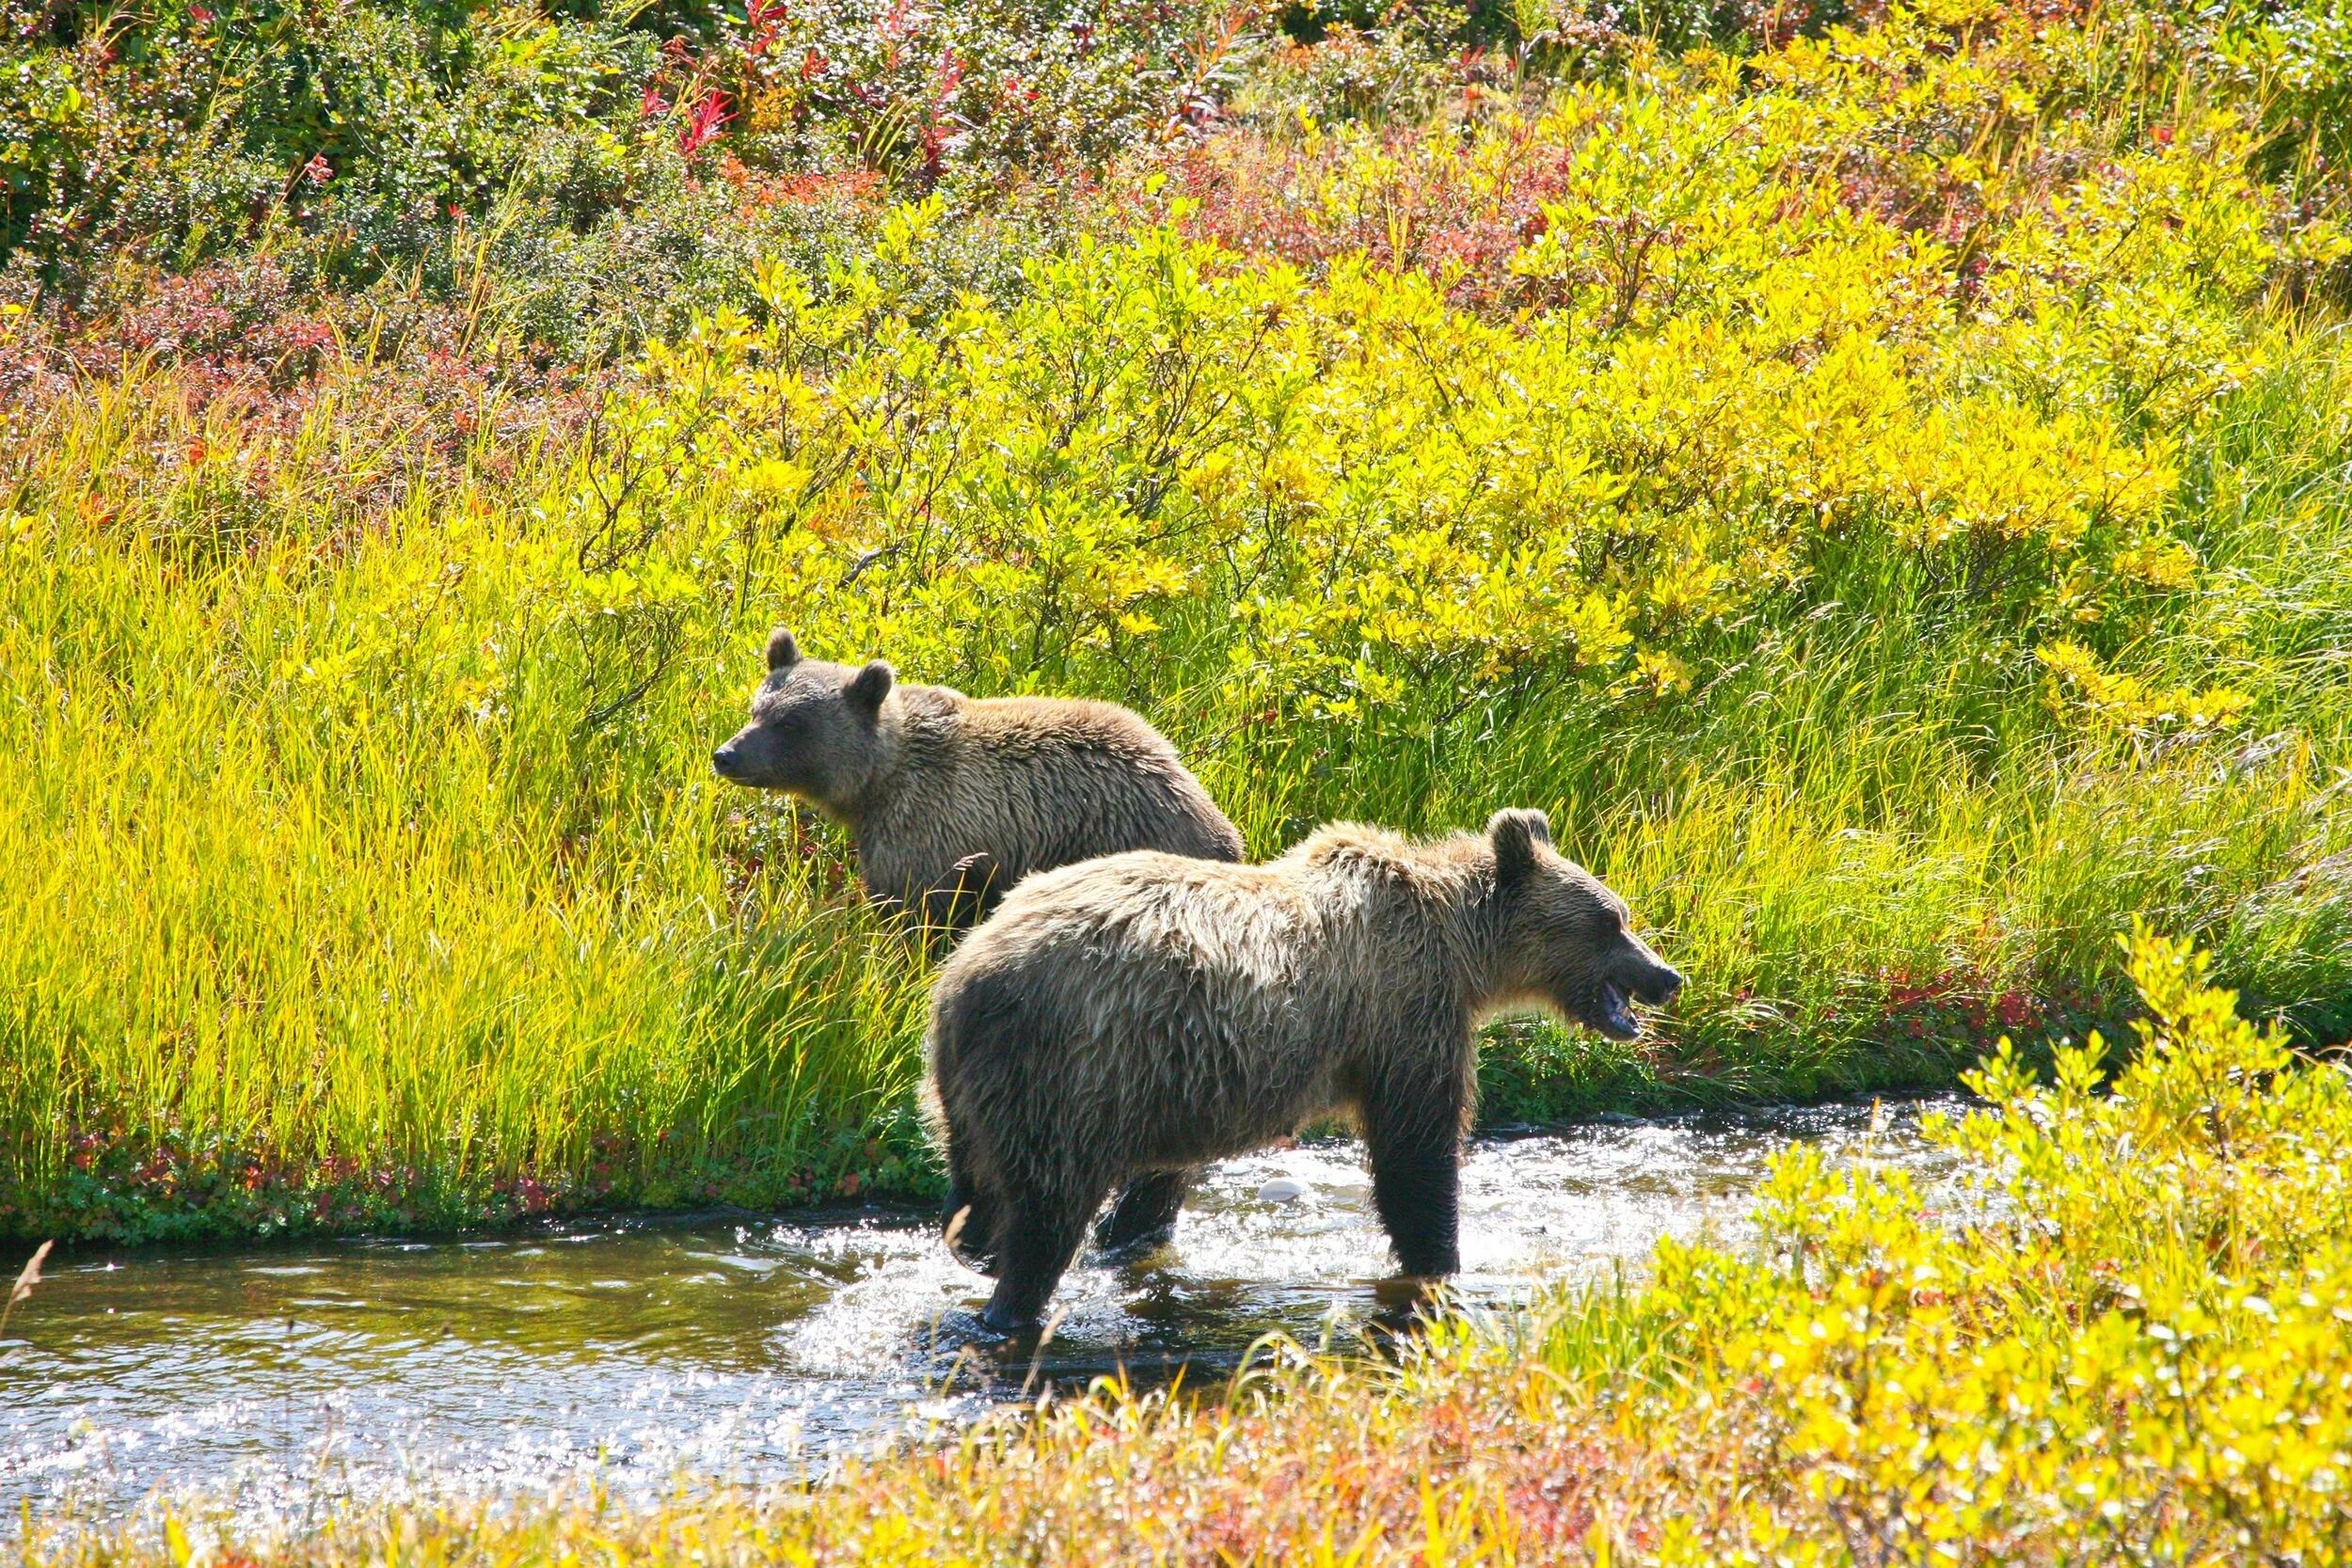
point(313, 925)
point(285, 901)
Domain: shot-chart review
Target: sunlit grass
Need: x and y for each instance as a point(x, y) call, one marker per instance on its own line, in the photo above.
point(320, 863)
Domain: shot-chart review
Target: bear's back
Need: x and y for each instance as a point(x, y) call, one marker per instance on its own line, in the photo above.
point(1292, 925)
point(1190, 957)
point(1180, 902)
point(1033, 783)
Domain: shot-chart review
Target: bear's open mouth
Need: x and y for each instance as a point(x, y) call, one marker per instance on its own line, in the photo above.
point(1613, 1013)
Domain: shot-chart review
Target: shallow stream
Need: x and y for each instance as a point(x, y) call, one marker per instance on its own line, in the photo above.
point(751, 1346)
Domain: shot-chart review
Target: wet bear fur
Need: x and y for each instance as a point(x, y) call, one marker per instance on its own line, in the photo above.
point(1144, 1013)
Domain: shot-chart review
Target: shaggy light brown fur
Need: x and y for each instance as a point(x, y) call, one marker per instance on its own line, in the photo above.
point(1144, 1013)
point(952, 800)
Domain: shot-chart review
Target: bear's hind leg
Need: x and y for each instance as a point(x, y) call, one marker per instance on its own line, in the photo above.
point(1146, 1212)
point(970, 1217)
point(970, 1222)
point(1034, 1248)
point(972, 888)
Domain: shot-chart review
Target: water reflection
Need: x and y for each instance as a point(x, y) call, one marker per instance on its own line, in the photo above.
point(744, 1347)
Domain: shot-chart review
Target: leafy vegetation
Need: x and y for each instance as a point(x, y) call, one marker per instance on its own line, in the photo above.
point(2123, 1339)
point(1876, 474)
point(1882, 489)
point(580, 176)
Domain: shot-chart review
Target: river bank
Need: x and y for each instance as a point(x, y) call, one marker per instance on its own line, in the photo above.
point(2116, 1319)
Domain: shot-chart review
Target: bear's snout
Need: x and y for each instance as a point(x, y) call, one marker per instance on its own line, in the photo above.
point(1637, 974)
point(1638, 971)
point(748, 758)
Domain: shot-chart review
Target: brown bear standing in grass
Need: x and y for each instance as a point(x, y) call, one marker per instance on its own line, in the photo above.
point(1144, 1013)
point(952, 800)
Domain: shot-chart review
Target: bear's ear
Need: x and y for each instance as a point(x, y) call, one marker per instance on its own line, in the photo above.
point(783, 653)
point(1514, 834)
point(870, 686)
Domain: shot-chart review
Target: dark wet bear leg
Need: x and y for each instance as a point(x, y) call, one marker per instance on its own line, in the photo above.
point(1415, 1183)
point(972, 1215)
point(973, 1237)
point(1146, 1211)
point(1039, 1238)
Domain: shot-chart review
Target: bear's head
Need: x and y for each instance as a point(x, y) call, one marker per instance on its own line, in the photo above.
point(815, 729)
point(1564, 937)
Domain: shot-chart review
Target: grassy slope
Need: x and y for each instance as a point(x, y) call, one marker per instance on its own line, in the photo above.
point(368, 886)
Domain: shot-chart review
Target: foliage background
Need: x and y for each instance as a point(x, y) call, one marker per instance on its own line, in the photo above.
point(1881, 488)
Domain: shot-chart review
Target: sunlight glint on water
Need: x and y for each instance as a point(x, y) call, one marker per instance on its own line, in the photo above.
point(750, 1348)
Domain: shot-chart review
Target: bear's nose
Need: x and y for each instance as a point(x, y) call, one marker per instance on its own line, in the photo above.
point(1660, 987)
point(723, 761)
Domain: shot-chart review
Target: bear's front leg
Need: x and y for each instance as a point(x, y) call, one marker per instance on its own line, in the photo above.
point(1417, 1186)
point(1039, 1236)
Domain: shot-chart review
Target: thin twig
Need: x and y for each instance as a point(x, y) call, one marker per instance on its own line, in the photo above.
point(26, 1278)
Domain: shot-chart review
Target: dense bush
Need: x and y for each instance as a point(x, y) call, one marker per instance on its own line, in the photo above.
point(584, 176)
point(357, 131)
point(575, 179)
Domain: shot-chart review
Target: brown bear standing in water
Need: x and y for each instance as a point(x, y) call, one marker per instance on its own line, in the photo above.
point(952, 800)
point(1144, 1013)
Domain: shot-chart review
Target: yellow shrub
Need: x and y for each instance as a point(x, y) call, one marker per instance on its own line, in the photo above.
point(2141, 1349)
point(1351, 485)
